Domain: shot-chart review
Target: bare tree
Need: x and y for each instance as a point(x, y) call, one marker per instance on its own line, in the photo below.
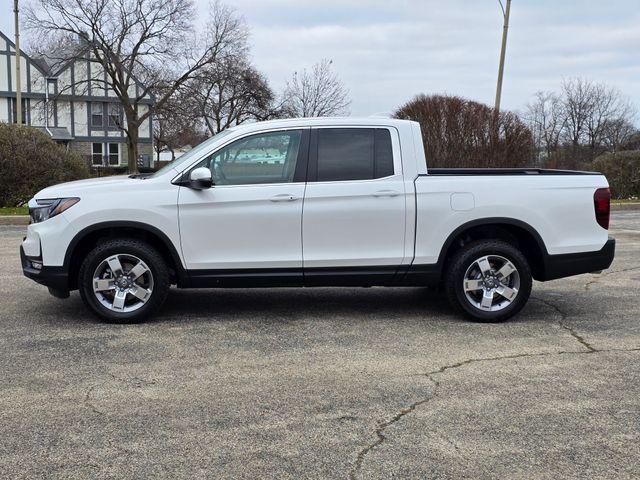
point(231, 92)
point(547, 120)
point(133, 40)
point(318, 93)
point(177, 124)
point(593, 110)
point(617, 134)
point(581, 122)
point(578, 105)
point(610, 109)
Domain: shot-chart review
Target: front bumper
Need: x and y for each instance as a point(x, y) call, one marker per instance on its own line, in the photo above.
point(560, 266)
point(56, 278)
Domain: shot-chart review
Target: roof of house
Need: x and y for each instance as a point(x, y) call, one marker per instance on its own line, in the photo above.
point(52, 67)
point(57, 133)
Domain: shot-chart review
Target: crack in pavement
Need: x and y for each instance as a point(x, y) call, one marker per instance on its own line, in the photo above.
point(381, 428)
point(607, 273)
point(87, 397)
point(563, 317)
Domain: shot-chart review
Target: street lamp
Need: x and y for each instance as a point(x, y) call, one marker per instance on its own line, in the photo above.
point(505, 28)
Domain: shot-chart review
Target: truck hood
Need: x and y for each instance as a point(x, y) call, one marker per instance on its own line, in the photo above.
point(78, 187)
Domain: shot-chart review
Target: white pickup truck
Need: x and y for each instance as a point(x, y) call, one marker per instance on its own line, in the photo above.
point(317, 202)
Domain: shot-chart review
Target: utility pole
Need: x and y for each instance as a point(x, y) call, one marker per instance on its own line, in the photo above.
point(505, 29)
point(18, 76)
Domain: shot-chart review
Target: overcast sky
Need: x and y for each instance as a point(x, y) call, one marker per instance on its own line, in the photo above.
point(387, 51)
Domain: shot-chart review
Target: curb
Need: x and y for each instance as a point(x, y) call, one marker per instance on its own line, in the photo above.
point(14, 220)
point(625, 206)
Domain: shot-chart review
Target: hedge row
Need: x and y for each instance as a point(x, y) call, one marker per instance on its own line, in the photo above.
point(31, 161)
point(622, 169)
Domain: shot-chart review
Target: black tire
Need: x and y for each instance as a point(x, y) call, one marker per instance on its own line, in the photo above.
point(465, 258)
point(121, 246)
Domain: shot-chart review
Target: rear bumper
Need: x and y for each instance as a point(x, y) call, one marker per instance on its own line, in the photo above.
point(56, 278)
point(560, 266)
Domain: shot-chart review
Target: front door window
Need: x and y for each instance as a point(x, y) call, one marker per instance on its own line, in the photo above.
point(257, 159)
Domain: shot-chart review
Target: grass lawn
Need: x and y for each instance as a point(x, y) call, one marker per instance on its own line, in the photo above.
point(622, 201)
point(14, 211)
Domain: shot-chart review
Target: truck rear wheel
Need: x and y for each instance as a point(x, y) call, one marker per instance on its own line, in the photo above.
point(488, 280)
point(123, 280)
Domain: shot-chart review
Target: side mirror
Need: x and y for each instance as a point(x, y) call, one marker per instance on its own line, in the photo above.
point(200, 178)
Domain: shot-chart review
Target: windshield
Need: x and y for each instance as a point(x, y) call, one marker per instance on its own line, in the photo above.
point(193, 153)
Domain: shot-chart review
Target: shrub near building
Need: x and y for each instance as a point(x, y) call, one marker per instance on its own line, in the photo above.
point(31, 161)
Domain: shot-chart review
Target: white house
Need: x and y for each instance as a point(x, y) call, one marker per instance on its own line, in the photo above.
point(70, 105)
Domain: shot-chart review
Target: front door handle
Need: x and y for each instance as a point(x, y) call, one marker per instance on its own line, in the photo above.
point(283, 197)
point(386, 193)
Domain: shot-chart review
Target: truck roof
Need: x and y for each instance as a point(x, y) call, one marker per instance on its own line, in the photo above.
point(322, 121)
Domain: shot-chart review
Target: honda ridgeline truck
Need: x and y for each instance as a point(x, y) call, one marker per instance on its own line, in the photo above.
point(317, 202)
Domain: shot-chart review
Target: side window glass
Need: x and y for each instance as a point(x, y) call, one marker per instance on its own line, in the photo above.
point(262, 158)
point(354, 154)
point(345, 154)
point(383, 153)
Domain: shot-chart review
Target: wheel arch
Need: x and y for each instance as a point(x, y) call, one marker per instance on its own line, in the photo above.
point(90, 236)
point(516, 232)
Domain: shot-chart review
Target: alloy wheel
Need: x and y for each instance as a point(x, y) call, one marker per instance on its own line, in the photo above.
point(122, 283)
point(491, 283)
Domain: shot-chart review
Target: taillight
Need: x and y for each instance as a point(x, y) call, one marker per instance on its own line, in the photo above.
point(602, 206)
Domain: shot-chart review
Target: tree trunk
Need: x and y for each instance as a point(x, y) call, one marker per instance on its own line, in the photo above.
point(132, 146)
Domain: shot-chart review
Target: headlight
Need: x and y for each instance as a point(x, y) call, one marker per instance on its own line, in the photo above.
point(41, 210)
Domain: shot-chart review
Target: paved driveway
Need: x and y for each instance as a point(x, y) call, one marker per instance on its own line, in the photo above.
point(324, 383)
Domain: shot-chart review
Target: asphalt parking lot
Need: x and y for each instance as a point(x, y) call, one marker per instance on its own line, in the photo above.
point(324, 383)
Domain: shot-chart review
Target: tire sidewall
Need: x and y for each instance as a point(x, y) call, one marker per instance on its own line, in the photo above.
point(144, 252)
point(463, 260)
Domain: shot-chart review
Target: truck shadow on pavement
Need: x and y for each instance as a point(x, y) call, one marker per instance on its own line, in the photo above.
point(285, 305)
point(294, 303)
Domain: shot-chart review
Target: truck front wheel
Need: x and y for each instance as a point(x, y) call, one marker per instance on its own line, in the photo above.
point(488, 280)
point(123, 280)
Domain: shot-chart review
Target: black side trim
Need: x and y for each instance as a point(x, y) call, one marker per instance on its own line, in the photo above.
point(350, 276)
point(295, 277)
point(419, 275)
point(180, 271)
point(246, 278)
point(560, 266)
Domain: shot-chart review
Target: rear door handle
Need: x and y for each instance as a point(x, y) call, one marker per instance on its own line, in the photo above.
point(386, 193)
point(283, 197)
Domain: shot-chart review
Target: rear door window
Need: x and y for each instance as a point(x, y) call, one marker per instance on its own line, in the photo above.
point(353, 154)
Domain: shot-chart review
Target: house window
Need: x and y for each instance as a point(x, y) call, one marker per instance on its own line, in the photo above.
point(97, 114)
point(52, 86)
point(96, 154)
point(115, 118)
point(114, 154)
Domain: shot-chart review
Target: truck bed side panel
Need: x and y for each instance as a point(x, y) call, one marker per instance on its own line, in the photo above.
point(558, 207)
